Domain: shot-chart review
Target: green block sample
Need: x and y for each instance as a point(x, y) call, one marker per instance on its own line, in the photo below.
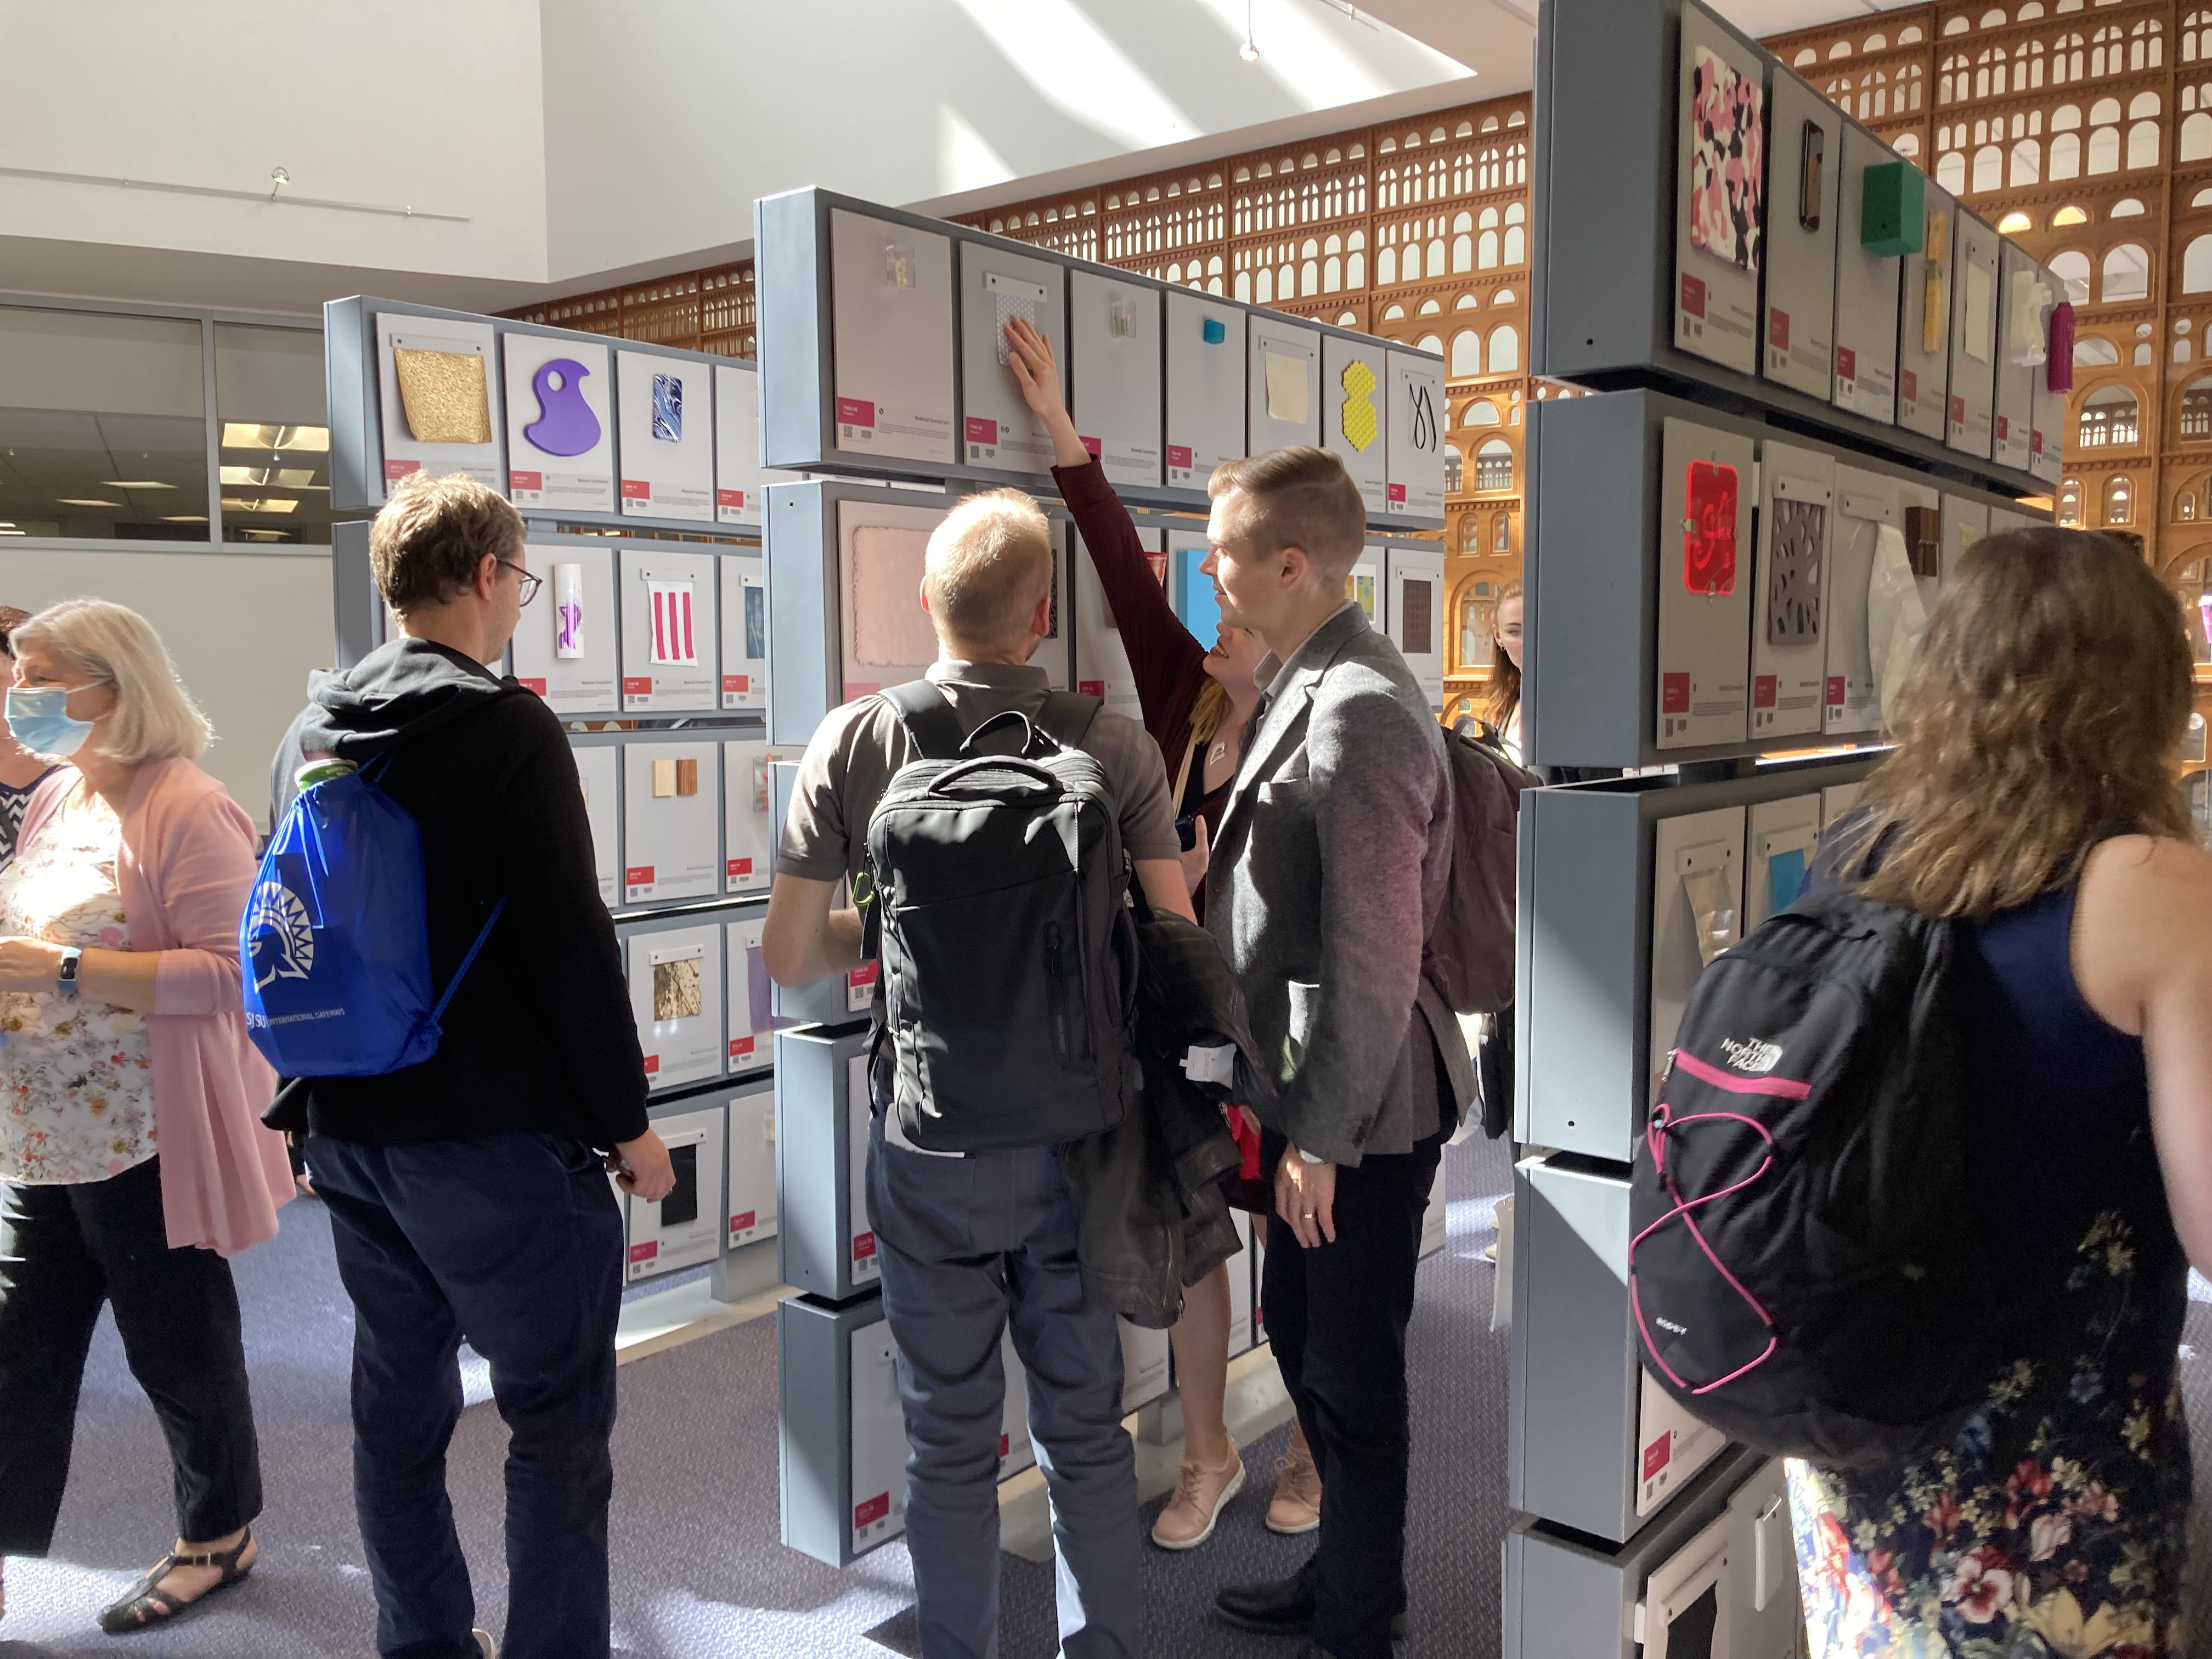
point(1893, 217)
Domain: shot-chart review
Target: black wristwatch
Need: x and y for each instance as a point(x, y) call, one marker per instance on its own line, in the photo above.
point(66, 975)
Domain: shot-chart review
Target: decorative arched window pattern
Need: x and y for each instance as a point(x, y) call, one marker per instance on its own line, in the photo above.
point(2069, 504)
point(1908, 145)
point(1951, 169)
point(1430, 308)
point(2184, 507)
point(1466, 355)
point(1468, 302)
point(1462, 255)
point(1394, 314)
point(1805, 55)
point(2094, 351)
point(2066, 59)
point(1454, 471)
point(2119, 501)
point(2013, 223)
point(2126, 208)
point(1481, 412)
point(2071, 267)
point(1954, 83)
point(1517, 162)
point(2147, 47)
point(2142, 144)
point(2196, 38)
point(2197, 266)
point(2196, 137)
point(1431, 343)
point(2108, 419)
point(1501, 533)
point(2069, 215)
point(2197, 410)
point(2026, 163)
point(1504, 350)
point(2104, 150)
point(1493, 467)
point(2126, 274)
point(1989, 168)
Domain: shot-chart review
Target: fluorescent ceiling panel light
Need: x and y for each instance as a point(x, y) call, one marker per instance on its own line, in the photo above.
point(263, 504)
point(136, 483)
point(245, 434)
point(284, 478)
point(183, 517)
point(77, 500)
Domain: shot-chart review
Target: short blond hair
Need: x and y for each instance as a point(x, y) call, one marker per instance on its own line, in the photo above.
point(426, 545)
point(1297, 497)
point(988, 564)
point(102, 643)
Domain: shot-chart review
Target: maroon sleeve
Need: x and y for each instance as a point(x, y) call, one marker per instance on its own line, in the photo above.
point(1167, 660)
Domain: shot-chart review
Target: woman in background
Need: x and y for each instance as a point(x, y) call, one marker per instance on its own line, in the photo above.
point(1501, 709)
point(1197, 703)
point(20, 771)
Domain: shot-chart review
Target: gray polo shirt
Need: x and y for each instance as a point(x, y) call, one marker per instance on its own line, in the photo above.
point(859, 746)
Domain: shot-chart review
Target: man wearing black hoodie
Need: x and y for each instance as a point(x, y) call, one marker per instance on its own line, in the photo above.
point(468, 1194)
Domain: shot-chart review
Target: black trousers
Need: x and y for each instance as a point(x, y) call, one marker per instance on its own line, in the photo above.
point(64, 1250)
point(1336, 1318)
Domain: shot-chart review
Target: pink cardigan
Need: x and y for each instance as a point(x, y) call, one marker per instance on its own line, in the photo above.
point(186, 870)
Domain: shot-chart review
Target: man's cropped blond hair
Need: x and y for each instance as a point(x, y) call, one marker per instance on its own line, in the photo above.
point(101, 643)
point(1298, 497)
point(426, 545)
point(988, 564)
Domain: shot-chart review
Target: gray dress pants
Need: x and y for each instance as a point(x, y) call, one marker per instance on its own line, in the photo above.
point(966, 1245)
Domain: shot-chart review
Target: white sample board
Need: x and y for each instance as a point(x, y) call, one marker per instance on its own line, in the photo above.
point(1764, 1613)
point(1282, 400)
point(1102, 664)
point(669, 649)
point(2026, 297)
point(1778, 850)
point(1720, 206)
point(750, 1195)
point(1671, 1446)
point(890, 306)
point(1417, 413)
point(1965, 523)
point(1974, 311)
point(1867, 286)
point(752, 1021)
point(672, 821)
point(1867, 507)
point(1836, 800)
point(749, 826)
point(676, 997)
point(1706, 490)
point(881, 551)
point(1805, 156)
point(566, 646)
point(1413, 583)
point(1144, 1355)
point(1788, 655)
point(867, 1265)
point(665, 411)
point(1697, 911)
point(2046, 441)
point(879, 1445)
point(1363, 583)
point(741, 481)
point(1206, 376)
point(998, 433)
point(439, 397)
point(685, 1228)
point(598, 774)
point(1923, 328)
point(1114, 365)
point(744, 631)
point(1355, 392)
point(1240, 1286)
point(560, 423)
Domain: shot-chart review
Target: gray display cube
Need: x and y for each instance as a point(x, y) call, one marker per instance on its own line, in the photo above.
point(841, 1454)
point(824, 1243)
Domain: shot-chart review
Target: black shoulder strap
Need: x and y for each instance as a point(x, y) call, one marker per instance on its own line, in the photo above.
point(1066, 715)
point(929, 719)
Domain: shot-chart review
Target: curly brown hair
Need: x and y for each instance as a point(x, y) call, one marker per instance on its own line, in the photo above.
point(2047, 697)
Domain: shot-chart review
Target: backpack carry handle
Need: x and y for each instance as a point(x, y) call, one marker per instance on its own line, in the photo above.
point(1031, 732)
point(1034, 780)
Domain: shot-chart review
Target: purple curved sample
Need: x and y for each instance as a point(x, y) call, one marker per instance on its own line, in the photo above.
point(565, 424)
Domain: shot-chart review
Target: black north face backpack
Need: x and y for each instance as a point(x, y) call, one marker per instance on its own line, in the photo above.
point(1804, 1267)
point(1009, 955)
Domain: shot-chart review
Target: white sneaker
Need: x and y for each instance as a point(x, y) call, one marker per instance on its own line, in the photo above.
point(1200, 1495)
point(484, 1641)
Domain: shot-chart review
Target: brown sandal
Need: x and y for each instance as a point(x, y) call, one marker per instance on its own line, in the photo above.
point(146, 1605)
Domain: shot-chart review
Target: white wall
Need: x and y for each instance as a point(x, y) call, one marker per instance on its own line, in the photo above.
point(243, 629)
point(432, 103)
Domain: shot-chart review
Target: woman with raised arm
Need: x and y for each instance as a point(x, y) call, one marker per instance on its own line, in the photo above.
point(1197, 703)
point(2029, 798)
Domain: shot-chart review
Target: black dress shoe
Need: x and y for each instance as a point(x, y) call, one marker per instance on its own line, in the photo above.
point(1283, 1606)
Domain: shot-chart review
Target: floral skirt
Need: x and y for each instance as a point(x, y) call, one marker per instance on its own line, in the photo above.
point(2054, 1528)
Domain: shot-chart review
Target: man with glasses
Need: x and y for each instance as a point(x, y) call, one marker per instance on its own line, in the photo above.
point(468, 1194)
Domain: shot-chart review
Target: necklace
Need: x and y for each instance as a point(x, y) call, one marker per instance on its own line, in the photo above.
point(1218, 753)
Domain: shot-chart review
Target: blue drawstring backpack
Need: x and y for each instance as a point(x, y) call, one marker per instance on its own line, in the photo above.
point(336, 940)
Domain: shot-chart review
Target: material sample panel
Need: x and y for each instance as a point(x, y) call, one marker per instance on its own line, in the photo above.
point(997, 430)
point(560, 423)
point(1721, 207)
point(1867, 290)
point(879, 1445)
point(1102, 664)
point(1355, 394)
point(744, 631)
point(685, 1228)
point(1806, 159)
point(1114, 361)
point(1923, 344)
point(566, 647)
point(1778, 849)
point(439, 397)
point(669, 649)
point(1418, 411)
point(1697, 912)
point(749, 827)
point(1414, 614)
point(598, 775)
point(1868, 516)
point(2022, 355)
point(750, 1199)
point(671, 826)
point(1206, 376)
point(1705, 493)
point(752, 1020)
point(891, 321)
point(666, 406)
point(676, 997)
point(1974, 307)
point(1788, 659)
point(1283, 396)
point(739, 478)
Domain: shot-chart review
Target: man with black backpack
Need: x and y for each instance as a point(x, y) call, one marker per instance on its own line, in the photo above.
point(468, 1193)
point(1330, 872)
point(992, 864)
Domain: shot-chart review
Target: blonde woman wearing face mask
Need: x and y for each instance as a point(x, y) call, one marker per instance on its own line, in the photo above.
point(1197, 703)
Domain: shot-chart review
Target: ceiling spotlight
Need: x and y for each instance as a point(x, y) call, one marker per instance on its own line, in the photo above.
point(1248, 51)
point(278, 178)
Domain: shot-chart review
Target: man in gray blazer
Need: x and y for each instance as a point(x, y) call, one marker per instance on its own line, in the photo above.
point(1328, 873)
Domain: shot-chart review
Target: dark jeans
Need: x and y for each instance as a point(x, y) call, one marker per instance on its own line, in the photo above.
point(1336, 1317)
point(514, 1242)
point(64, 1250)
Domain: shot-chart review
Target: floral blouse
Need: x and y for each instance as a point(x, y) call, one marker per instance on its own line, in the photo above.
point(76, 1079)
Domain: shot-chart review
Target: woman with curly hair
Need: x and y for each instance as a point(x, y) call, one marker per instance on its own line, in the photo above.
point(2030, 799)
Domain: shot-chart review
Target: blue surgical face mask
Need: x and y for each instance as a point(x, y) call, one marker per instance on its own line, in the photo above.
point(38, 719)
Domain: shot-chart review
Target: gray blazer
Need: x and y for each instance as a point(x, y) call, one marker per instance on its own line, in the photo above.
point(1327, 874)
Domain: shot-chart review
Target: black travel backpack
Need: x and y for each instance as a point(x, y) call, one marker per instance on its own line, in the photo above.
point(1008, 953)
point(1804, 1266)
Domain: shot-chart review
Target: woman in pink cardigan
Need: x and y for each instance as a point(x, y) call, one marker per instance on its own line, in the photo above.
point(121, 1038)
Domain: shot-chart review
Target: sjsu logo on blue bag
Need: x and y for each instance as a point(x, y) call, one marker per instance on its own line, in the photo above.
point(282, 938)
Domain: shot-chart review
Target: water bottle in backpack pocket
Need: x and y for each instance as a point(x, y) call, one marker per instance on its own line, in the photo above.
point(335, 943)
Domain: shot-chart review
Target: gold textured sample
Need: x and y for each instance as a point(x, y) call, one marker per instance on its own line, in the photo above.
point(444, 395)
point(676, 993)
point(687, 777)
point(663, 779)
